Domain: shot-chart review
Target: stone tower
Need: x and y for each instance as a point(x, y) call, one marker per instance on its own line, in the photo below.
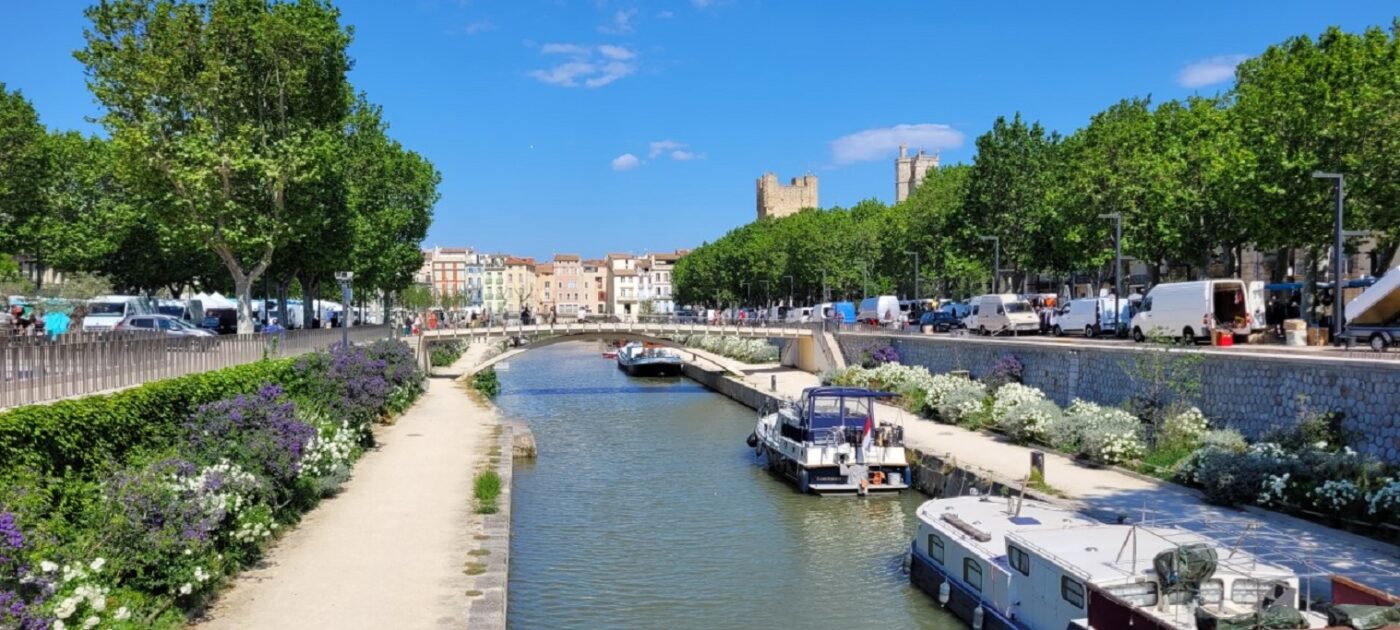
point(909, 171)
point(777, 200)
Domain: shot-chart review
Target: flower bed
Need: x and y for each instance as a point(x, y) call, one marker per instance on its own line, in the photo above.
point(1302, 471)
point(738, 348)
point(129, 510)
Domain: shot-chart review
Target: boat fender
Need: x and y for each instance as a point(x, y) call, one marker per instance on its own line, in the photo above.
point(802, 482)
point(752, 440)
point(944, 592)
point(977, 616)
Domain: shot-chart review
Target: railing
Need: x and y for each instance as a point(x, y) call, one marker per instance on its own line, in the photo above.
point(36, 369)
point(661, 327)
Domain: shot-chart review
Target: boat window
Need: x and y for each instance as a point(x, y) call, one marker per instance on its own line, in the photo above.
point(1020, 560)
point(856, 410)
point(972, 574)
point(1212, 592)
point(825, 412)
point(1246, 591)
point(935, 548)
point(1072, 591)
point(1138, 594)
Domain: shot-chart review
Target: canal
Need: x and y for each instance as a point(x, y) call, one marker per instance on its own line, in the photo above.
point(645, 510)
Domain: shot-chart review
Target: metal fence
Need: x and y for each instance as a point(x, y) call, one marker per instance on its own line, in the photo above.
point(38, 369)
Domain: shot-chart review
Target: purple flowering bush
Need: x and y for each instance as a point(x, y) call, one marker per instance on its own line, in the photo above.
point(1007, 369)
point(139, 540)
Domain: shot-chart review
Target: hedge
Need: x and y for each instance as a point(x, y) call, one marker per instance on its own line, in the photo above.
point(86, 436)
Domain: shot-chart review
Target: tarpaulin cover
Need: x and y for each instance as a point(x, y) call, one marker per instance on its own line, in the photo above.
point(1184, 568)
point(1273, 618)
point(1363, 617)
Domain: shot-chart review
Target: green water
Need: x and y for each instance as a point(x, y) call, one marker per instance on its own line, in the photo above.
point(646, 510)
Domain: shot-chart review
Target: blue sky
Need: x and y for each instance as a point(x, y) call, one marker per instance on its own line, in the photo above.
point(591, 126)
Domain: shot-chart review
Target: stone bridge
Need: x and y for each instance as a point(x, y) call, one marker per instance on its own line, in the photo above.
point(803, 345)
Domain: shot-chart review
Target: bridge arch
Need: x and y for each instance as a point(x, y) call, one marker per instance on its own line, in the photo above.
point(564, 337)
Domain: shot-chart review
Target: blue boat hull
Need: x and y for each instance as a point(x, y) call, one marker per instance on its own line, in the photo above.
point(928, 576)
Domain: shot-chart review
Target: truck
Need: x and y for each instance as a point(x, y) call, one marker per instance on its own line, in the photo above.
point(1374, 316)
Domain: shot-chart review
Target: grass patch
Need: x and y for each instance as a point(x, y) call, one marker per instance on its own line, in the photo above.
point(479, 552)
point(1037, 482)
point(474, 568)
point(486, 382)
point(1162, 462)
point(487, 488)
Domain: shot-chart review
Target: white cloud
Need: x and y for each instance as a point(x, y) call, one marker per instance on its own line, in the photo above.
point(587, 66)
point(1209, 71)
point(480, 26)
point(875, 144)
point(661, 146)
point(621, 23)
point(625, 162)
point(678, 151)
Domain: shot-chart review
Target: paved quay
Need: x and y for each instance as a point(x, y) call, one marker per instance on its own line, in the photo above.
point(1307, 547)
point(389, 550)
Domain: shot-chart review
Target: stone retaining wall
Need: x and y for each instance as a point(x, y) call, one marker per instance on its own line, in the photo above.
point(1252, 393)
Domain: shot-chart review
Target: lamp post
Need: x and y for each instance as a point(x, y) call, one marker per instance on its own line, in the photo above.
point(346, 295)
point(916, 273)
point(996, 262)
point(864, 279)
point(825, 297)
point(1338, 256)
point(789, 300)
point(1117, 265)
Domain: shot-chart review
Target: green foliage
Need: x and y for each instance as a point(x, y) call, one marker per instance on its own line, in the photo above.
point(85, 436)
point(486, 382)
point(486, 488)
point(445, 353)
point(737, 348)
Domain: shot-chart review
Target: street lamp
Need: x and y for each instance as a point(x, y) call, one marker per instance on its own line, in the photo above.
point(864, 279)
point(789, 301)
point(345, 278)
point(1338, 261)
point(916, 273)
point(996, 262)
point(1117, 265)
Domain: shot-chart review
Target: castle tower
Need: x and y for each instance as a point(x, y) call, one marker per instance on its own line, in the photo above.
point(909, 171)
point(777, 200)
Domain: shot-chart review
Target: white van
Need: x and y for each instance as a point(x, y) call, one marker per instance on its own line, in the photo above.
point(994, 314)
point(104, 311)
point(1192, 310)
point(879, 311)
point(1090, 316)
point(799, 315)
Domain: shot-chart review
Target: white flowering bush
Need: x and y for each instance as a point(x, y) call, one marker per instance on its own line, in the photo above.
point(738, 348)
point(1336, 495)
point(954, 399)
point(1028, 421)
point(326, 462)
point(1277, 489)
point(1116, 447)
point(1183, 429)
point(1084, 426)
point(1224, 439)
point(79, 599)
point(1011, 395)
point(1384, 501)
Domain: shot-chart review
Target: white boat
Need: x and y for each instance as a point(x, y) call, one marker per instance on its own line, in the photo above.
point(831, 443)
point(1120, 576)
point(638, 359)
point(959, 553)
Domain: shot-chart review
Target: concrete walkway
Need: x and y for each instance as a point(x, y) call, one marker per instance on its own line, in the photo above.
point(1307, 547)
point(389, 550)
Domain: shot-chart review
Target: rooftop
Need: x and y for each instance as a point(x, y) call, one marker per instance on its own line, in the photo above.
point(1105, 554)
point(566, 258)
point(615, 256)
point(544, 268)
point(997, 517)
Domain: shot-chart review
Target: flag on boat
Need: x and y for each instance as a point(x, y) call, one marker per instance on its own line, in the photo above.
point(866, 436)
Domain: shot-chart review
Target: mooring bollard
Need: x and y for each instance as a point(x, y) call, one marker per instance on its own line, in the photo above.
point(1038, 464)
point(773, 382)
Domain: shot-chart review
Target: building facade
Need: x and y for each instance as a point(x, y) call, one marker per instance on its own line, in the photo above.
point(777, 200)
point(622, 286)
point(546, 291)
point(568, 284)
point(658, 290)
point(910, 170)
point(493, 285)
point(520, 286)
point(595, 287)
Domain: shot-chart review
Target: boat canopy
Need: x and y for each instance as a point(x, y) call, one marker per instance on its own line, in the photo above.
point(831, 407)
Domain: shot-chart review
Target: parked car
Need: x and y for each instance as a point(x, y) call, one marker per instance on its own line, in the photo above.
point(1193, 310)
point(940, 321)
point(882, 310)
point(995, 314)
point(167, 324)
point(686, 316)
point(1088, 316)
point(105, 312)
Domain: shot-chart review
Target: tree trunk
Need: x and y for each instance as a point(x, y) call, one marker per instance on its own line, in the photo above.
point(243, 290)
point(282, 286)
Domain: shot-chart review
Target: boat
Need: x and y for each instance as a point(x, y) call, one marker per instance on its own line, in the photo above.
point(959, 553)
point(638, 359)
point(830, 442)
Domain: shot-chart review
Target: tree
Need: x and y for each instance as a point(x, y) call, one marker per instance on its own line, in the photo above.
point(219, 110)
point(24, 168)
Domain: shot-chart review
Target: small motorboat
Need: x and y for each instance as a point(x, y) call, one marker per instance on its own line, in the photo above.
point(831, 443)
point(638, 359)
